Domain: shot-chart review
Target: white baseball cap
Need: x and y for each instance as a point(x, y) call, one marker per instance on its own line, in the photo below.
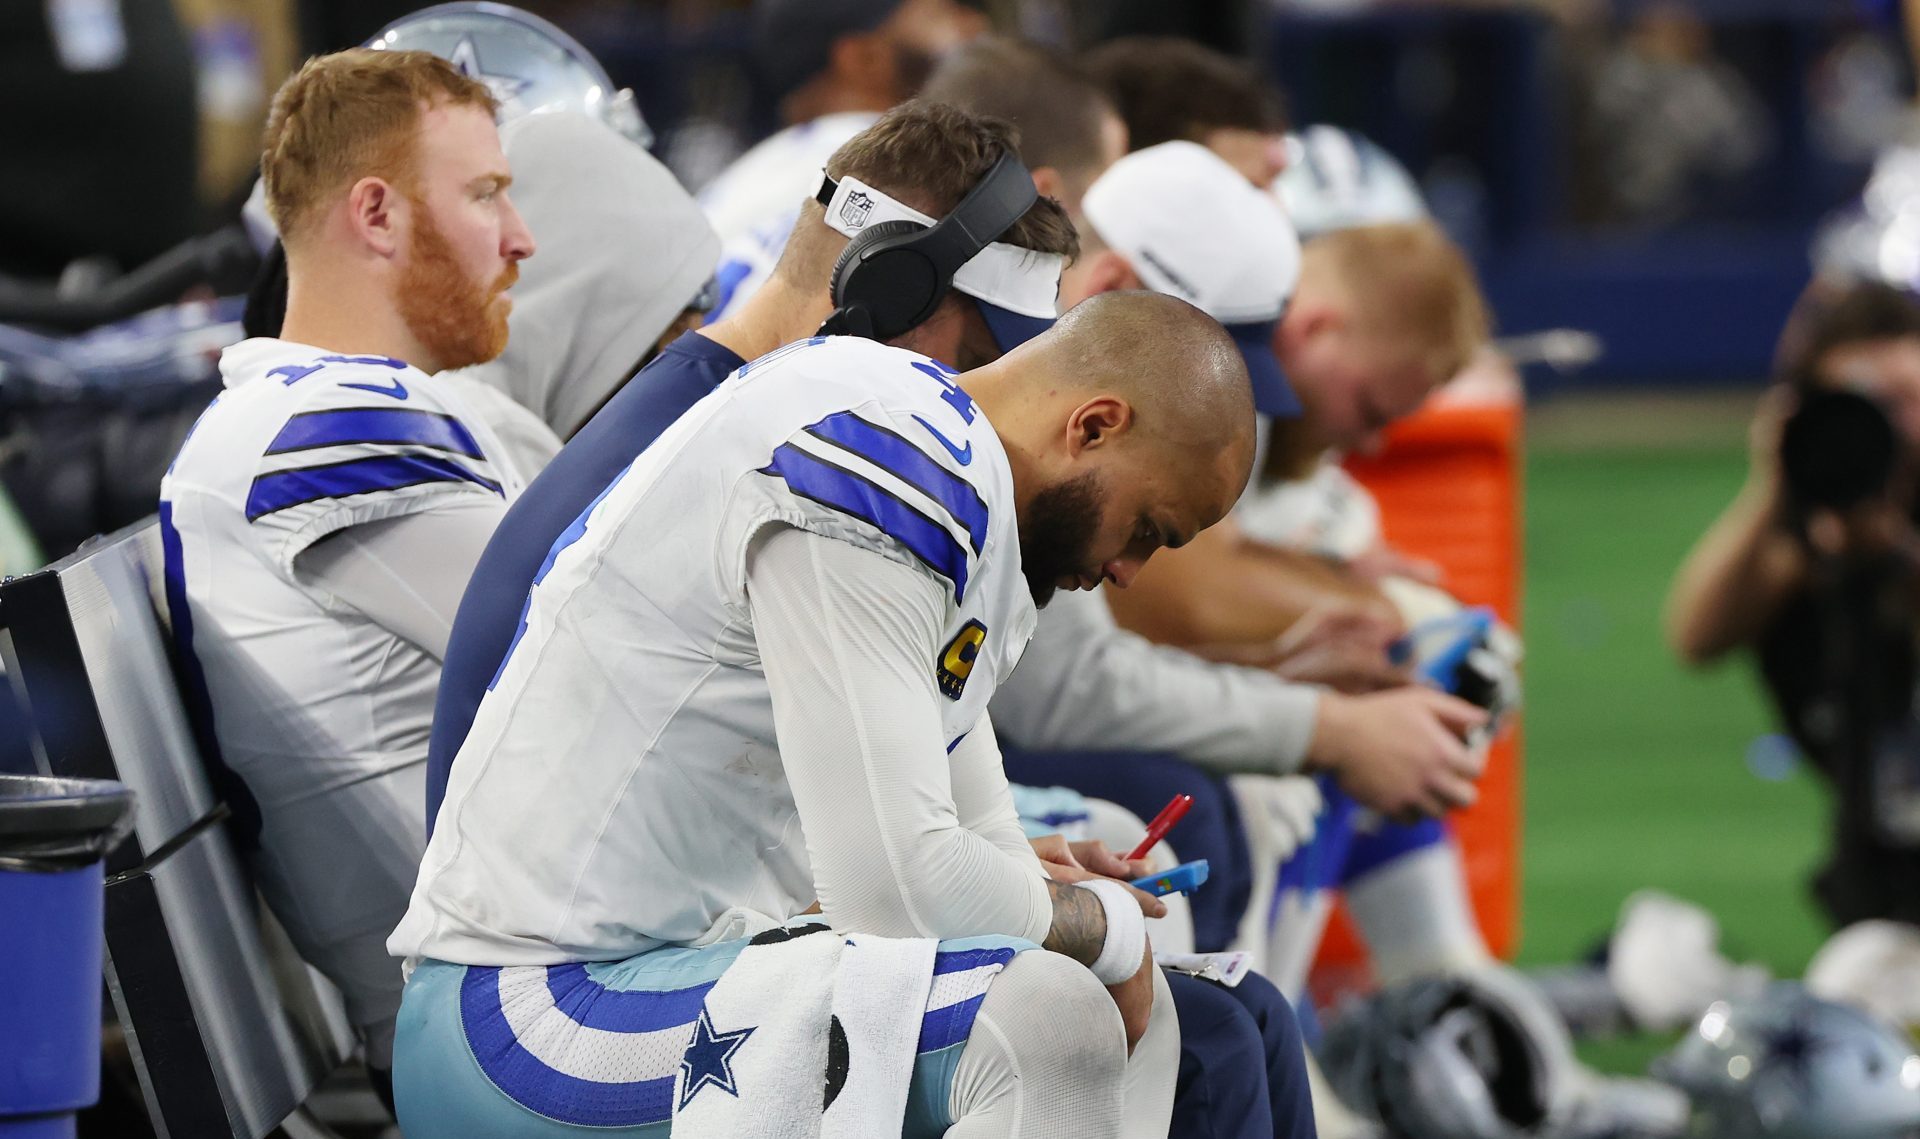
point(1193, 227)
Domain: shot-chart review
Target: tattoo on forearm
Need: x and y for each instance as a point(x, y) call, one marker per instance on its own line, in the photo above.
point(1079, 927)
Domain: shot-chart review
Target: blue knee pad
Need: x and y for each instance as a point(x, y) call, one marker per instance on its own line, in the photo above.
point(1143, 782)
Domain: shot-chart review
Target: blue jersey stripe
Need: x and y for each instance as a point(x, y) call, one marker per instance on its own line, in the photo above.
point(860, 497)
point(892, 453)
point(394, 425)
point(282, 489)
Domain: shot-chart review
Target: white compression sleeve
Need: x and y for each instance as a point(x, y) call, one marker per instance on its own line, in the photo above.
point(405, 574)
point(1087, 684)
point(846, 639)
point(981, 794)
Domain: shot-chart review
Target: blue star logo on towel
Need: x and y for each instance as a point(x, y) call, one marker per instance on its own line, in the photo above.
point(708, 1059)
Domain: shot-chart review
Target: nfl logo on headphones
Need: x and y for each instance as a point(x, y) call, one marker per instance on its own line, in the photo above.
point(854, 211)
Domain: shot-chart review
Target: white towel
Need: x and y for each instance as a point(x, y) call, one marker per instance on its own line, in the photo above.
point(756, 1066)
point(878, 998)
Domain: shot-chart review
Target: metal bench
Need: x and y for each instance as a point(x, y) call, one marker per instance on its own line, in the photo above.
point(228, 1029)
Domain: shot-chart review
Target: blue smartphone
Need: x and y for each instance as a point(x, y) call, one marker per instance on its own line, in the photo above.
point(1182, 879)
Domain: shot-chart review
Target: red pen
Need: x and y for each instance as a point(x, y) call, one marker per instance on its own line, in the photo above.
point(1162, 823)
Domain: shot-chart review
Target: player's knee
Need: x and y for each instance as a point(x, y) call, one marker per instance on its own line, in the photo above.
point(1067, 991)
point(1273, 1013)
point(1057, 1017)
point(1046, 1048)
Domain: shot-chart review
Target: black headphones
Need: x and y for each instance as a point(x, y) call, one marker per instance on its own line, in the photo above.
point(894, 274)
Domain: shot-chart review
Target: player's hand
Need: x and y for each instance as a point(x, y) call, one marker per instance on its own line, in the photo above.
point(1350, 668)
point(1383, 561)
point(1402, 753)
point(1062, 863)
point(1134, 997)
point(1342, 647)
point(1094, 855)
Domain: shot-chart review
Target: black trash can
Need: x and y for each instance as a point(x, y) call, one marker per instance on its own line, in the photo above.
point(53, 835)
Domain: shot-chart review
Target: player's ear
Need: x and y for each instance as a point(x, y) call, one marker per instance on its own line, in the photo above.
point(1048, 182)
point(375, 209)
point(1303, 323)
point(1097, 423)
point(1109, 272)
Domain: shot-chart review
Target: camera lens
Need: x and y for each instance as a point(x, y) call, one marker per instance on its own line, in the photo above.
point(1837, 450)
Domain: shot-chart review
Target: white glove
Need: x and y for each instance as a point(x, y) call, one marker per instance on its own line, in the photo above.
point(1280, 813)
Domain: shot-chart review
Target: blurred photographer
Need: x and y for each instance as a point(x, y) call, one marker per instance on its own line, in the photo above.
point(1814, 568)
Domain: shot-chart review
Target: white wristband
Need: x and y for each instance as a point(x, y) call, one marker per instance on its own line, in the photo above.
point(1126, 941)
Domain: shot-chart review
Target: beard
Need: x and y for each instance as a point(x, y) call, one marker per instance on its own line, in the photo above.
point(1056, 535)
point(453, 316)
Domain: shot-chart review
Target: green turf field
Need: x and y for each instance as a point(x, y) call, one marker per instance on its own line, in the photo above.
point(1636, 771)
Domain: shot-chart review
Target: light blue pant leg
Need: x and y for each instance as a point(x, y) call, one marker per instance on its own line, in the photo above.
point(443, 1092)
point(438, 1087)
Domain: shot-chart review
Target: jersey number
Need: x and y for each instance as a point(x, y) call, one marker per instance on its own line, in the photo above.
point(953, 394)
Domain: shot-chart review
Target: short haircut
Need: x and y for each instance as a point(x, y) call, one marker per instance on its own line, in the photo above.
point(351, 115)
point(1058, 109)
point(1409, 281)
point(1856, 313)
point(1170, 89)
point(927, 156)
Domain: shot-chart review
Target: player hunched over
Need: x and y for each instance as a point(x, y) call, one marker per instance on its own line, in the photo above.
point(752, 677)
point(924, 157)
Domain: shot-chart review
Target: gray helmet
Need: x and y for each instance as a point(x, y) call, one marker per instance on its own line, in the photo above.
point(1787, 1065)
point(1336, 179)
point(1476, 1055)
point(528, 64)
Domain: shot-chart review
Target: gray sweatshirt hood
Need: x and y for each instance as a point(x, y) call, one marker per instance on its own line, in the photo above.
point(620, 250)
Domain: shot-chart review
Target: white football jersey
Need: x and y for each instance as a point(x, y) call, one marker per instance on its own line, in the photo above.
point(313, 705)
point(1327, 513)
point(754, 203)
point(621, 787)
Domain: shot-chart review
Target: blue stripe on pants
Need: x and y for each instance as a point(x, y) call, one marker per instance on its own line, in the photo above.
point(462, 1069)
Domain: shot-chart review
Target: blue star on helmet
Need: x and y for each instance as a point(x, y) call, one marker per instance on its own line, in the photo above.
point(709, 1059)
point(465, 58)
point(1794, 1047)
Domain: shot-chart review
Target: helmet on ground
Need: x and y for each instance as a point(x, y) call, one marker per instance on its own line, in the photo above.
point(1474, 1055)
point(1788, 1065)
